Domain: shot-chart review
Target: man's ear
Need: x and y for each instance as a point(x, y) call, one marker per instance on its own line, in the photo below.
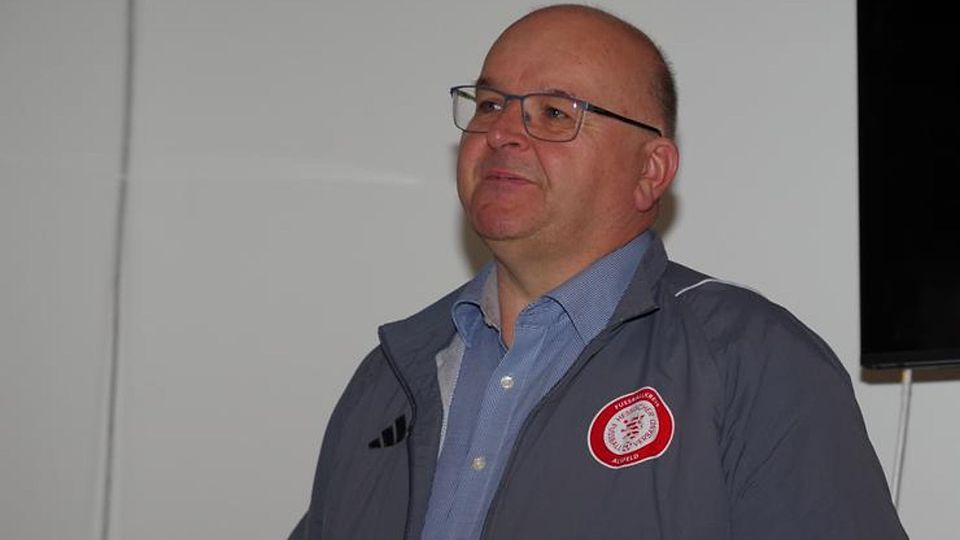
point(659, 168)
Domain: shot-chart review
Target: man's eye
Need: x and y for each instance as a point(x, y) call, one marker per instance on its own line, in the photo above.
point(488, 106)
point(554, 113)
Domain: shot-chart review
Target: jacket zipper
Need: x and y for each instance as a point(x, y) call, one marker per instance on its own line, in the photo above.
point(580, 363)
point(410, 427)
point(570, 375)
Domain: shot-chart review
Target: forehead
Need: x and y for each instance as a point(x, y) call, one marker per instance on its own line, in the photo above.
point(585, 56)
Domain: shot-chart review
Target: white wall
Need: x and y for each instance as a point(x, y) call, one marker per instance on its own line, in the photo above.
point(61, 90)
point(292, 188)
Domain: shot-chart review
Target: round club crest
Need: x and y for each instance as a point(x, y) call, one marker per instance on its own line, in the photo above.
point(631, 429)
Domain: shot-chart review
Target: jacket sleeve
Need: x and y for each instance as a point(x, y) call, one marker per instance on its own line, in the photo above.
point(794, 447)
point(310, 526)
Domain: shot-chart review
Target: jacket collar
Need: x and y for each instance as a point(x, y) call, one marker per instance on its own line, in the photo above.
point(412, 343)
point(640, 296)
point(410, 347)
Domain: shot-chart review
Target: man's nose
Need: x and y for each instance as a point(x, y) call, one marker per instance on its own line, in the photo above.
point(508, 129)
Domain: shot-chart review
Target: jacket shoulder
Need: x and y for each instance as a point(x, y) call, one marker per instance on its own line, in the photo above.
point(787, 416)
point(733, 314)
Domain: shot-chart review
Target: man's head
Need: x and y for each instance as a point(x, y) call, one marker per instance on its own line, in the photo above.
point(588, 196)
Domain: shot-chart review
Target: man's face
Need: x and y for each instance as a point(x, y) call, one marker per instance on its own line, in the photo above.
point(548, 198)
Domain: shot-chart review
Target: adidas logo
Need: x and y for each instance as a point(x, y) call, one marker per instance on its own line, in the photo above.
point(391, 435)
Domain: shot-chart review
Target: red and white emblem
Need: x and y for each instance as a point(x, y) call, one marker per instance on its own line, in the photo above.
point(631, 429)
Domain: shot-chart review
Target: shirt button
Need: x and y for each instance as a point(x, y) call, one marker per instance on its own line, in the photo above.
point(479, 463)
point(506, 382)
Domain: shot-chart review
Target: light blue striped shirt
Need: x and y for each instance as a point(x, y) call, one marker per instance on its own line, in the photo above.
point(496, 388)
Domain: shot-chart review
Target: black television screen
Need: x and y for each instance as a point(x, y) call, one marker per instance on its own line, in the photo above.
point(909, 120)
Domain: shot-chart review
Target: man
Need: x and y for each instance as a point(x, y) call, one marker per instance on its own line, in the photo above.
point(583, 386)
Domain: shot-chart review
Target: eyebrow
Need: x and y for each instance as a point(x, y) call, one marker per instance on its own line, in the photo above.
point(560, 92)
point(483, 81)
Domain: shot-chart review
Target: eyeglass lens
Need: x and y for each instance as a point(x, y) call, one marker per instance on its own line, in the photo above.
point(546, 116)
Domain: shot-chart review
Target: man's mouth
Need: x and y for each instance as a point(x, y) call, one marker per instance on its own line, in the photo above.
point(502, 175)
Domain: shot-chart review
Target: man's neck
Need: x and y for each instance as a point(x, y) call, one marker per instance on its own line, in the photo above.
point(521, 279)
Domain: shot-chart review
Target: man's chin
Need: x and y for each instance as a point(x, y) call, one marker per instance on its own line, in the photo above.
point(500, 230)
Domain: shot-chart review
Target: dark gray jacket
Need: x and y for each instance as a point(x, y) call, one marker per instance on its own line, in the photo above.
point(768, 441)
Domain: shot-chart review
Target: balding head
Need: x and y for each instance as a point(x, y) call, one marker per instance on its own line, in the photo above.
point(639, 63)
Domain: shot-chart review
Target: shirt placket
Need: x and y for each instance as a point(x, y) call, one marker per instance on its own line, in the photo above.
point(502, 398)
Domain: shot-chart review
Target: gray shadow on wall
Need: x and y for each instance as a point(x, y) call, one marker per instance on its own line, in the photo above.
point(669, 210)
point(474, 250)
point(471, 247)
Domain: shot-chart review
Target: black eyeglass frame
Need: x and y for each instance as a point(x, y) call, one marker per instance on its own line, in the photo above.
point(583, 105)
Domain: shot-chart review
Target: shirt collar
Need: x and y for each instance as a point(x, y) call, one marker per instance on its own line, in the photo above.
point(478, 304)
point(589, 298)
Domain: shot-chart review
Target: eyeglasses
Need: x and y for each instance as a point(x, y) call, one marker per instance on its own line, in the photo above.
point(548, 117)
